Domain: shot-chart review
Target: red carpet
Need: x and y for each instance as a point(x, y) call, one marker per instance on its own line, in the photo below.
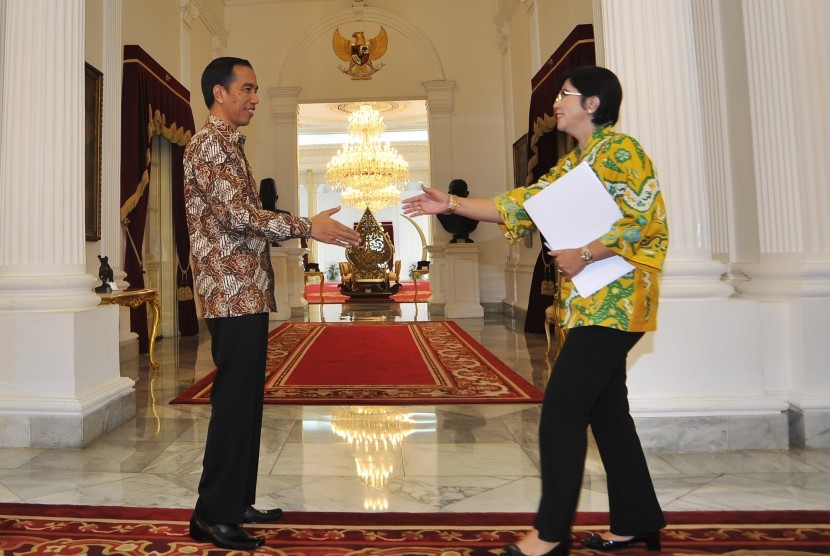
point(386, 363)
point(331, 293)
point(73, 530)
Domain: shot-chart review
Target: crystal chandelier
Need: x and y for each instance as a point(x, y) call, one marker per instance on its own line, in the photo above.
point(367, 172)
point(375, 433)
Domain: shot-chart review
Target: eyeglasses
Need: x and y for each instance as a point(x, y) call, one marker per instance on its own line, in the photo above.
point(563, 93)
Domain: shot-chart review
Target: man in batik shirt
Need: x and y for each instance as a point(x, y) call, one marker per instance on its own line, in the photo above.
point(230, 234)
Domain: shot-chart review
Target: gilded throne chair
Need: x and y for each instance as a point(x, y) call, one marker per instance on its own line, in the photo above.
point(369, 263)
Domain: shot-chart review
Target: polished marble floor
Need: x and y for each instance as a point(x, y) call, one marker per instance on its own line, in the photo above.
point(446, 458)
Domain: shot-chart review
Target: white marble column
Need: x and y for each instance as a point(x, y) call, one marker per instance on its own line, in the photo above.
point(787, 50)
point(59, 379)
point(439, 123)
point(668, 83)
point(113, 240)
point(188, 14)
point(535, 26)
point(285, 110)
point(295, 279)
point(112, 235)
point(518, 270)
point(705, 336)
point(282, 288)
point(437, 278)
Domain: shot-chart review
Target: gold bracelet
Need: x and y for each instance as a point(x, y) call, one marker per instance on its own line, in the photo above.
point(454, 204)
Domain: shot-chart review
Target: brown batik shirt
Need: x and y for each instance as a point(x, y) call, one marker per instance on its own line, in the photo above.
point(229, 230)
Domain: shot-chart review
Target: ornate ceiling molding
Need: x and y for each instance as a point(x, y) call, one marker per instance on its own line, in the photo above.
point(193, 10)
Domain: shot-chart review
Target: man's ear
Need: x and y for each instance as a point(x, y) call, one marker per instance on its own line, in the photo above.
point(219, 93)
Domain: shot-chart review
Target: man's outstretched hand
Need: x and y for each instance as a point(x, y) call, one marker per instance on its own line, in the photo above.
point(324, 228)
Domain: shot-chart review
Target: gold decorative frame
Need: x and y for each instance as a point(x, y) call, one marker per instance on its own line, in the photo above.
point(520, 173)
point(93, 107)
point(520, 161)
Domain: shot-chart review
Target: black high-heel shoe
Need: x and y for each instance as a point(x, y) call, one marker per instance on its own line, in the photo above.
point(561, 549)
point(596, 542)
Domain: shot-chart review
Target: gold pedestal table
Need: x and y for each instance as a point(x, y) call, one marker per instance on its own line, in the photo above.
point(418, 273)
point(135, 299)
point(320, 275)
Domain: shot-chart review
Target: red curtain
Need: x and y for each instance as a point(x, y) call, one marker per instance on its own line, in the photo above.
point(546, 145)
point(153, 103)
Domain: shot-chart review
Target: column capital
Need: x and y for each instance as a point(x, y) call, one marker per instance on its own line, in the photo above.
point(504, 36)
point(189, 11)
point(285, 106)
point(193, 10)
point(439, 97)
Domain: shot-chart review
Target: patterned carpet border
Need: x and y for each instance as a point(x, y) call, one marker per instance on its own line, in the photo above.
point(27, 529)
point(458, 368)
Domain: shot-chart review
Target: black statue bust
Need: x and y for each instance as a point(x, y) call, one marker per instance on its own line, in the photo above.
point(105, 274)
point(459, 226)
point(268, 197)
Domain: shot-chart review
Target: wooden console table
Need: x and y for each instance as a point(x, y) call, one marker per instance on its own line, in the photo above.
point(135, 299)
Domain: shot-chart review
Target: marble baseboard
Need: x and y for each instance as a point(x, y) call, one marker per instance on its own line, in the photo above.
point(492, 307)
point(809, 429)
point(517, 314)
point(298, 311)
point(65, 431)
point(128, 348)
point(716, 433)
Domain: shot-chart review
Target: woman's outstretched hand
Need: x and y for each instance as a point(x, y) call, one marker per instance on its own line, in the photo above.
point(431, 201)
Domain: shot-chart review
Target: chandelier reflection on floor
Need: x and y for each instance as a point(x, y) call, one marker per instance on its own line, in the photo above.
point(375, 433)
point(367, 172)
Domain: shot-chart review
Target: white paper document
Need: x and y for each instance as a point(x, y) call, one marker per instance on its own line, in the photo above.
point(573, 211)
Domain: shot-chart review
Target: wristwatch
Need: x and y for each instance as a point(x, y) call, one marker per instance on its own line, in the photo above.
point(586, 255)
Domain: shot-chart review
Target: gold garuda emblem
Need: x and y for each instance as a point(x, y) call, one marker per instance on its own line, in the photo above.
point(360, 53)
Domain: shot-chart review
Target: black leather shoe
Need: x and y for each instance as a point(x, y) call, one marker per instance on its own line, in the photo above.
point(596, 542)
point(253, 515)
point(561, 549)
point(223, 535)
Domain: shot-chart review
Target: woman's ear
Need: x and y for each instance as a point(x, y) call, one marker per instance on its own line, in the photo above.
point(592, 104)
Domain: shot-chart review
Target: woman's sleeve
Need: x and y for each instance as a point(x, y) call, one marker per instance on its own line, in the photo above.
point(641, 235)
point(515, 221)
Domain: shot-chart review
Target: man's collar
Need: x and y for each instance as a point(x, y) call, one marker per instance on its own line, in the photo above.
point(234, 136)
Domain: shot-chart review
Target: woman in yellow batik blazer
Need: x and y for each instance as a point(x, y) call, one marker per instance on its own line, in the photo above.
point(588, 383)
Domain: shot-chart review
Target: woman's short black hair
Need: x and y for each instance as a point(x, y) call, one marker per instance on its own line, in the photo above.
point(601, 83)
point(220, 72)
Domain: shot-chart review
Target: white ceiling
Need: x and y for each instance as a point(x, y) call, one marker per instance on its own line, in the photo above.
point(330, 118)
point(399, 115)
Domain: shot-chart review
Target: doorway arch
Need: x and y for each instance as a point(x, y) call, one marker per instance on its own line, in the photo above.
point(285, 98)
